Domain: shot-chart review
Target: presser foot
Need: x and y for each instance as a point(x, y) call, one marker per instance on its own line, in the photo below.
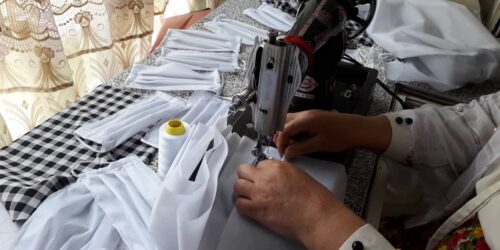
point(258, 151)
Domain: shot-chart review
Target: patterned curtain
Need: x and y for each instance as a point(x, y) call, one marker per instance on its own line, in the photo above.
point(54, 51)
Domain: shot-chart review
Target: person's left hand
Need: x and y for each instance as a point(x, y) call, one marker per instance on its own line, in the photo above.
point(288, 201)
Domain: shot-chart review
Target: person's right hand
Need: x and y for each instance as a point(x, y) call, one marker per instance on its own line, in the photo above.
point(288, 201)
point(315, 130)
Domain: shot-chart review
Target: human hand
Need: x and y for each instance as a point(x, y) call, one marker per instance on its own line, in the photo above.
point(315, 130)
point(288, 201)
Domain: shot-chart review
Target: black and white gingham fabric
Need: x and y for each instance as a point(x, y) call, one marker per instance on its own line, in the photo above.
point(39, 163)
point(351, 27)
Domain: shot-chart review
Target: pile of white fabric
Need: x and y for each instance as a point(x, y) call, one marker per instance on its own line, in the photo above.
point(127, 206)
point(192, 59)
point(271, 17)
point(437, 41)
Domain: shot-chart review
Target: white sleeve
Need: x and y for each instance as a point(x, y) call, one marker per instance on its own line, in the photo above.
point(432, 137)
point(368, 237)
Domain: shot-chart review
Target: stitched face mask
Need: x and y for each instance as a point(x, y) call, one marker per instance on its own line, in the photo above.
point(103, 209)
point(206, 108)
point(115, 129)
point(201, 41)
point(229, 27)
point(271, 17)
point(172, 76)
point(201, 60)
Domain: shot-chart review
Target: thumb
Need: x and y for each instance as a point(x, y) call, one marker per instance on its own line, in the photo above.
point(303, 147)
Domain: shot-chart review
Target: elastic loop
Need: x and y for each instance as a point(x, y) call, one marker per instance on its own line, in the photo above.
point(73, 167)
point(85, 144)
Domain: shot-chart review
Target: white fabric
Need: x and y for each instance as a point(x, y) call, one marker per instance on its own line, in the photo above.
point(206, 108)
point(465, 152)
point(230, 27)
point(104, 209)
point(440, 42)
point(117, 128)
point(201, 41)
point(482, 205)
point(489, 223)
point(172, 76)
point(181, 211)
point(464, 141)
point(201, 60)
point(271, 17)
point(121, 206)
point(223, 204)
point(227, 229)
point(125, 192)
point(465, 147)
point(400, 146)
point(8, 229)
point(243, 233)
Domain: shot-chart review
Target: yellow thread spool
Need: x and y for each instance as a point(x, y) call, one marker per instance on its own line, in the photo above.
point(175, 127)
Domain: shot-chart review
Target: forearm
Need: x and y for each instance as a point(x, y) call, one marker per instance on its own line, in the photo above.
point(340, 228)
point(338, 223)
point(373, 133)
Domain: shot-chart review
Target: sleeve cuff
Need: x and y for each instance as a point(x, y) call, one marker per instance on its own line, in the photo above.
point(366, 237)
point(400, 147)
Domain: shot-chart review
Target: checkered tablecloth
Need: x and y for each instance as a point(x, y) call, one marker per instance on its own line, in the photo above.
point(39, 163)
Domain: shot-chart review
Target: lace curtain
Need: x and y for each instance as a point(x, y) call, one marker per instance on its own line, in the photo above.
point(53, 52)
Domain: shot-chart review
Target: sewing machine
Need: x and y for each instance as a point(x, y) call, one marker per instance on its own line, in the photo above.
point(278, 68)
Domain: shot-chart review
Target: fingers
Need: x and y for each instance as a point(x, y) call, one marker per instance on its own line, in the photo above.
point(247, 172)
point(290, 117)
point(297, 126)
point(282, 142)
point(292, 129)
point(245, 206)
point(303, 147)
point(243, 188)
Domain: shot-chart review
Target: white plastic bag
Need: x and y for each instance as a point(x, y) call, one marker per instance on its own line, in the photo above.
point(439, 42)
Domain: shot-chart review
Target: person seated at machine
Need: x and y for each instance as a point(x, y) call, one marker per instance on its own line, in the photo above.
point(455, 150)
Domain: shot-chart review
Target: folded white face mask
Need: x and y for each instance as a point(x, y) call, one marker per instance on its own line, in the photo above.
point(229, 27)
point(106, 208)
point(201, 60)
point(117, 128)
point(271, 17)
point(171, 77)
point(125, 191)
point(201, 41)
point(205, 108)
